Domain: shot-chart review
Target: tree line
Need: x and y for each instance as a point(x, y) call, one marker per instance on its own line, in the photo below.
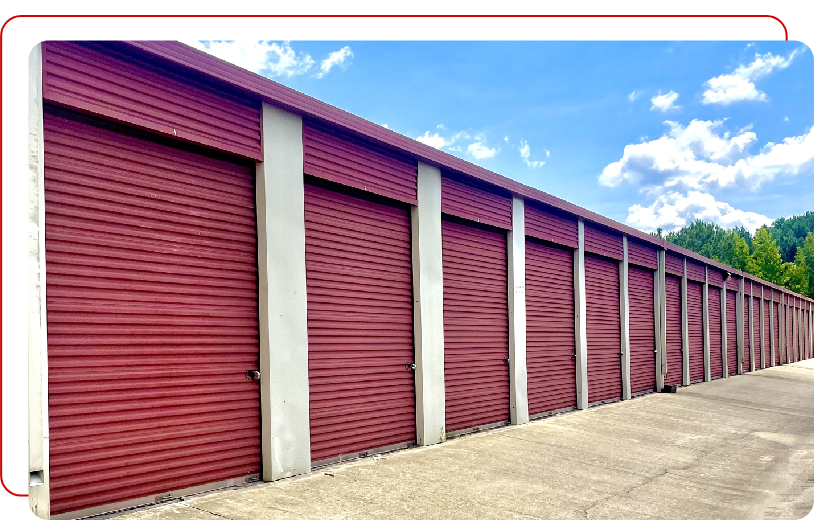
point(782, 253)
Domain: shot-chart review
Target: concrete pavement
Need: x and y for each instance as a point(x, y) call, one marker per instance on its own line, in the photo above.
point(737, 448)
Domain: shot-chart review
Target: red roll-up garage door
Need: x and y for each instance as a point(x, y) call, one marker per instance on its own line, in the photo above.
point(675, 350)
point(695, 330)
point(746, 332)
point(732, 334)
point(714, 315)
point(757, 333)
point(603, 329)
point(360, 315)
point(475, 264)
point(776, 335)
point(549, 309)
point(151, 264)
point(641, 329)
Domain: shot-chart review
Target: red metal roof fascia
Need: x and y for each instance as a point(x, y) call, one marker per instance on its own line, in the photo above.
point(282, 96)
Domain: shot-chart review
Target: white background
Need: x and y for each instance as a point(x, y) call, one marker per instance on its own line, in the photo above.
point(803, 20)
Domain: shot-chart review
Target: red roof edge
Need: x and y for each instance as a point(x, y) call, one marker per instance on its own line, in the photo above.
point(279, 95)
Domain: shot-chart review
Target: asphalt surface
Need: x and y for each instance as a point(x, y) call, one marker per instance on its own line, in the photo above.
point(737, 448)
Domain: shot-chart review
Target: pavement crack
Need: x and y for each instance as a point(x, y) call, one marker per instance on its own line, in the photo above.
point(209, 512)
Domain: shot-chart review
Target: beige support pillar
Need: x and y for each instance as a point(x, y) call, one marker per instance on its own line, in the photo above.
point(284, 340)
point(762, 329)
point(38, 364)
point(706, 314)
point(725, 372)
point(773, 339)
point(580, 342)
point(518, 372)
point(685, 333)
point(751, 330)
point(625, 352)
point(428, 308)
point(740, 325)
point(661, 320)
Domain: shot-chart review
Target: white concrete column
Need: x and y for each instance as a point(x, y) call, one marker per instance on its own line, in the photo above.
point(625, 352)
point(661, 320)
point(762, 329)
point(724, 371)
point(773, 361)
point(751, 331)
point(685, 333)
point(706, 313)
point(516, 314)
point(428, 307)
point(783, 332)
point(580, 342)
point(740, 326)
point(284, 339)
point(37, 356)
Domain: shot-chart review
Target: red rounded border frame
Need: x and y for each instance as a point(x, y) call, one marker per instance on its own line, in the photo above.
point(3, 28)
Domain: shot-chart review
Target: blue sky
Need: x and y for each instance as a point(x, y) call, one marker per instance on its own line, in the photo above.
point(653, 134)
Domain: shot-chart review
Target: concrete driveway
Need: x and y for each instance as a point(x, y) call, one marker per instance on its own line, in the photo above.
point(738, 448)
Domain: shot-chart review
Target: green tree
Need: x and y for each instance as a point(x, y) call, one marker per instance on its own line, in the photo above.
point(739, 251)
point(765, 261)
point(805, 260)
point(794, 277)
point(790, 233)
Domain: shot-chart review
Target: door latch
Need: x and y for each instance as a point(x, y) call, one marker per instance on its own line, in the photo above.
point(574, 357)
point(411, 367)
point(252, 375)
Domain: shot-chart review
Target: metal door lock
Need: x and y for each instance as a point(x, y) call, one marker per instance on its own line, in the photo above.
point(574, 356)
point(507, 361)
point(411, 367)
point(252, 375)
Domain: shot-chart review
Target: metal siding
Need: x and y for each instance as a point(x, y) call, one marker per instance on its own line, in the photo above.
point(476, 202)
point(769, 341)
point(776, 343)
point(641, 329)
point(757, 332)
point(602, 242)
point(695, 330)
point(544, 224)
point(747, 354)
point(768, 294)
point(475, 265)
point(104, 82)
point(732, 283)
point(334, 157)
point(603, 329)
point(360, 316)
point(714, 316)
point(642, 254)
point(675, 350)
point(674, 264)
point(549, 310)
point(695, 271)
point(732, 334)
point(151, 264)
point(715, 277)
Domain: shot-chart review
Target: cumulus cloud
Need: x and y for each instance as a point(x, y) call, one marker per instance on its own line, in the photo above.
point(269, 59)
point(478, 148)
point(525, 153)
point(703, 156)
point(634, 95)
point(338, 58)
point(480, 151)
point(665, 102)
point(739, 85)
point(675, 210)
point(433, 139)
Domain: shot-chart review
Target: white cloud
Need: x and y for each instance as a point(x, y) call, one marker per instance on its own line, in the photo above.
point(665, 102)
point(739, 85)
point(506, 138)
point(787, 119)
point(675, 210)
point(434, 140)
point(547, 153)
point(479, 151)
point(337, 58)
point(269, 59)
point(701, 157)
point(525, 153)
point(385, 125)
point(634, 95)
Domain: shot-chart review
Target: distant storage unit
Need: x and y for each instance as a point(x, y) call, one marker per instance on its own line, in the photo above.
point(232, 281)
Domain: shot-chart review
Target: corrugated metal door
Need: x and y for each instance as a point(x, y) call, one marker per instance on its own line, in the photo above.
point(732, 334)
point(777, 338)
point(714, 316)
point(475, 263)
point(757, 333)
point(549, 310)
point(747, 353)
point(151, 264)
point(641, 329)
point(695, 330)
point(603, 329)
point(360, 315)
point(769, 342)
point(675, 349)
